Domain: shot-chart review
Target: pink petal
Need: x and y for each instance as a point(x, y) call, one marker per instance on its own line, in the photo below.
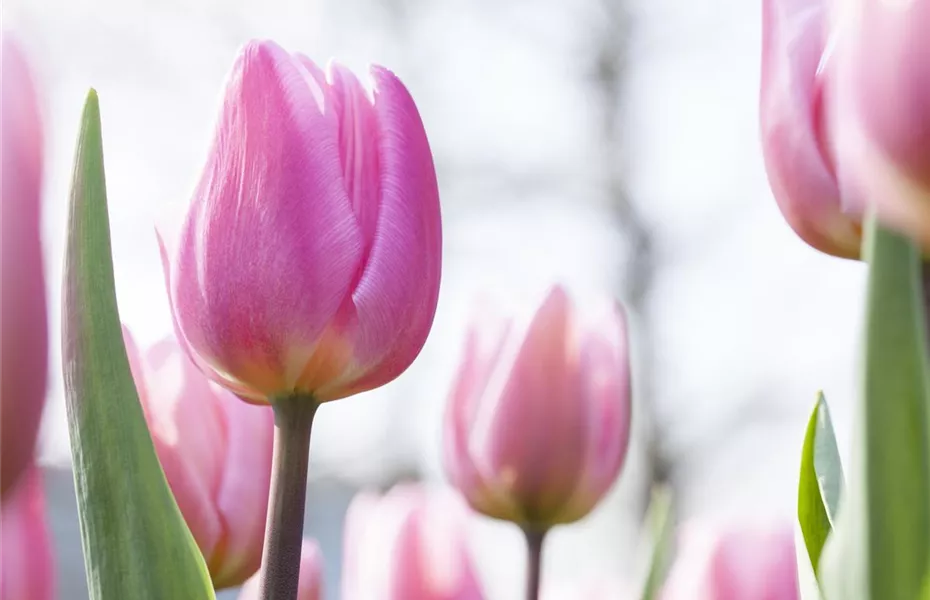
point(24, 339)
point(271, 244)
point(27, 569)
point(793, 127)
point(310, 585)
point(395, 299)
point(242, 499)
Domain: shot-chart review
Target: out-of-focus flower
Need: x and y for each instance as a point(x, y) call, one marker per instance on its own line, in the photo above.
point(309, 261)
point(23, 334)
point(408, 545)
point(27, 569)
point(216, 454)
point(538, 421)
point(882, 95)
point(598, 589)
point(746, 564)
point(310, 586)
point(794, 116)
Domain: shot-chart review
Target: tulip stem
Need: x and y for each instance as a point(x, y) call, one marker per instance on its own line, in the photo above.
point(293, 419)
point(534, 544)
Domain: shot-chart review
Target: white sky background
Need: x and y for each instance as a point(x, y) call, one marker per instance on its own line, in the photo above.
point(749, 322)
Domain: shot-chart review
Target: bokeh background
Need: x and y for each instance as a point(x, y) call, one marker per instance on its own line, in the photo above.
point(608, 144)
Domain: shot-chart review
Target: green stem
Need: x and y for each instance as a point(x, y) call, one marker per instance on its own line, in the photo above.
point(534, 543)
point(293, 419)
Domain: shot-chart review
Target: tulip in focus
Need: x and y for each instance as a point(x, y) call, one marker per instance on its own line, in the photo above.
point(216, 454)
point(882, 90)
point(795, 124)
point(309, 261)
point(752, 564)
point(23, 334)
point(408, 545)
point(538, 421)
point(27, 570)
point(310, 586)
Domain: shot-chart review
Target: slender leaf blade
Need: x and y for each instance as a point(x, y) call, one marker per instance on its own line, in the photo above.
point(820, 482)
point(136, 544)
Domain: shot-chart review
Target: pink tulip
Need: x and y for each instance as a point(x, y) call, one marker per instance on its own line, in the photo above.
point(882, 90)
point(794, 111)
point(310, 586)
point(309, 261)
point(216, 454)
point(734, 565)
point(538, 422)
point(24, 339)
point(27, 569)
point(408, 545)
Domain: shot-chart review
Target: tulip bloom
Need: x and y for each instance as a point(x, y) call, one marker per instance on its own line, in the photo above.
point(408, 545)
point(310, 586)
point(23, 335)
point(882, 89)
point(309, 260)
point(794, 114)
point(538, 422)
point(26, 563)
point(734, 565)
point(216, 454)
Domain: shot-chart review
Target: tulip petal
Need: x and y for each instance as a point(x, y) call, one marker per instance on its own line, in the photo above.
point(793, 123)
point(271, 244)
point(26, 561)
point(395, 299)
point(242, 500)
point(24, 339)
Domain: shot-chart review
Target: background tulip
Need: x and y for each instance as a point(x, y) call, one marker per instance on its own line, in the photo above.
point(24, 335)
point(408, 545)
point(794, 121)
point(538, 421)
point(27, 569)
point(883, 93)
point(751, 564)
point(216, 454)
point(311, 576)
point(309, 260)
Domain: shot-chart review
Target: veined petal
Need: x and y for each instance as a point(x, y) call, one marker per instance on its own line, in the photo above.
point(395, 299)
point(271, 244)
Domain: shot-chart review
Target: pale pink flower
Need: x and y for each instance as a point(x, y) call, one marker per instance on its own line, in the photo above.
point(27, 569)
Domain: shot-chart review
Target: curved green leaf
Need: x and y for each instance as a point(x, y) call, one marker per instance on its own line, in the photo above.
point(820, 483)
point(136, 544)
point(879, 549)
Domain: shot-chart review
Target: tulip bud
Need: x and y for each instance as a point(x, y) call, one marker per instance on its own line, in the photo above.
point(216, 454)
point(23, 335)
point(309, 261)
point(310, 586)
point(26, 564)
point(734, 565)
point(794, 121)
point(538, 422)
point(408, 545)
point(883, 91)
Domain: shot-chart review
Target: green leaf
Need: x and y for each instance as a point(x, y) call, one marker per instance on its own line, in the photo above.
point(662, 523)
point(879, 549)
point(820, 483)
point(136, 544)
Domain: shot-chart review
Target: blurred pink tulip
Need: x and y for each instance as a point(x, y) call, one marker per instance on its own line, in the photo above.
point(310, 586)
point(882, 90)
point(408, 545)
point(216, 454)
point(756, 564)
point(794, 120)
point(27, 570)
point(24, 339)
point(309, 261)
point(538, 422)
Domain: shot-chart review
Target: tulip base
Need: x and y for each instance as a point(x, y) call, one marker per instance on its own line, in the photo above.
point(534, 544)
point(293, 419)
